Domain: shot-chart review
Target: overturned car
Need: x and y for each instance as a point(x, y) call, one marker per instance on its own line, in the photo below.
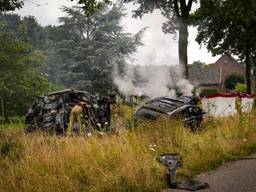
point(51, 112)
point(184, 108)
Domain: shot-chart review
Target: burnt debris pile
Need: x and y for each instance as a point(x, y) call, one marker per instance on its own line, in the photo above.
point(51, 112)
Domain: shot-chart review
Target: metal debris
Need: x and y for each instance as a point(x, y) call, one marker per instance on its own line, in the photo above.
point(51, 112)
point(193, 100)
point(172, 163)
point(190, 113)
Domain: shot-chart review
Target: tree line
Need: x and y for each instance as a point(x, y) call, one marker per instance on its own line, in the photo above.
point(80, 52)
point(224, 26)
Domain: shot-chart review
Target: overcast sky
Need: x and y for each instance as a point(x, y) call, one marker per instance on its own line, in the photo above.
point(158, 48)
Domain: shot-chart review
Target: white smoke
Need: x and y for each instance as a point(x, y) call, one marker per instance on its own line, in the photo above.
point(153, 81)
point(124, 82)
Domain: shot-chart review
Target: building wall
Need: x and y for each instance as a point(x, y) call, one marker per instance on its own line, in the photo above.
point(215, 87)
point(229, 66)
point(217, 74)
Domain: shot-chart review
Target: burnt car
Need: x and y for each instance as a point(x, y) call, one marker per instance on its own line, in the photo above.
point(151, 110)
point(51, 112)
point(193, 100)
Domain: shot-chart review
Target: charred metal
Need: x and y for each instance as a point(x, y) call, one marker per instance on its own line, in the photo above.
point(51, 112)
point(174, 162)
point(184, 108)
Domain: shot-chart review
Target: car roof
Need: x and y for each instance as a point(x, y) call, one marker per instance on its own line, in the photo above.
point(163, 104)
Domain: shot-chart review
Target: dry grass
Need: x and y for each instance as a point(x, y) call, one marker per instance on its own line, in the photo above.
point(125, 160)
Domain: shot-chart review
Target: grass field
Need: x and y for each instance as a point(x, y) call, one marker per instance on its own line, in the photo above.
point(123, 160)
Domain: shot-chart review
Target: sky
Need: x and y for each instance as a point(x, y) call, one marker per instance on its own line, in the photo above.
point(158, 49)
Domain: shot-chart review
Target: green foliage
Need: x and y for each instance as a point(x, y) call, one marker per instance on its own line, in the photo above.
point(84, 49)
point(10, 5)
point(207, 92)
point(198, 64)
point(89, 6)
point(54, 87)
point(234, 33)
point(80, 53)
point(26, 29)
point(92, 6)
point(232, 80)
point(16, 123)
point(240, 88)
point(21, 80)
point(178, 17)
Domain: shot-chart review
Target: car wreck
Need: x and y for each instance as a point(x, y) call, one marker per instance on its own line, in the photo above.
point(184, 108)
point(51, 112)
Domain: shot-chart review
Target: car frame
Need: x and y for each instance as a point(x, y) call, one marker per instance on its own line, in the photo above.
point(152, 109)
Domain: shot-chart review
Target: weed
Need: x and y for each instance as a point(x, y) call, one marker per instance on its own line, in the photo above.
point(124, 160)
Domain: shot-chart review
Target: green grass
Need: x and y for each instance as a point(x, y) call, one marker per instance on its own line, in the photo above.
point(11, 126)
point(14, 123)
point(124, 160)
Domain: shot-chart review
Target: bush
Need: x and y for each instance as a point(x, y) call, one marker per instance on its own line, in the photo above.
point(207, 92)
point(240, 88)
point(232, 80)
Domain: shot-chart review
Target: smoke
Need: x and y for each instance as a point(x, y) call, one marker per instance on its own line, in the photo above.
point(152, 80)
point(124, 82)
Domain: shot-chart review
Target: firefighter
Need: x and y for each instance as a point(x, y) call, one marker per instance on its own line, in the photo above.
point(76, 119)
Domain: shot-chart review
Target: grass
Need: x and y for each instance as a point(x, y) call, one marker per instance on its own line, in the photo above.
point(124, 160)
point(11, 126)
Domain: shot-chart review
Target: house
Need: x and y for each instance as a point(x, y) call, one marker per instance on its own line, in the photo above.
point(213, 76)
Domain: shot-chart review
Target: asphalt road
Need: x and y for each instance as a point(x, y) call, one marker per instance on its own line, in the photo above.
point(237, 176)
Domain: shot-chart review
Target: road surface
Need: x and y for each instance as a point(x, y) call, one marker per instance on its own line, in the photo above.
point(237, 176)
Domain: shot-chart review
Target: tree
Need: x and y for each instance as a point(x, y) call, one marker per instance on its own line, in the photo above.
point(22, 43)
point(177, 13)
point(86, 48)
point(21, 80)
point(10, 5)
point(92, 6)
point(25, 29)
point(89, 6)
point(228, 26)
point(198, 63)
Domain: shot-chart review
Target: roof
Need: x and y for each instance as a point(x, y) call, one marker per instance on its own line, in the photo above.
point(163, 104)
point(229, 59)
point(212, 74)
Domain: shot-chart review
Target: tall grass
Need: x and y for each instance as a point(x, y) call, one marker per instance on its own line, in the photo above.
point(124, 160)
point(4, 126)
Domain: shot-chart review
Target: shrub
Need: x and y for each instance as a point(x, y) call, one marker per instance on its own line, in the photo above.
point(240, 88)
point(232, 80)
point(207, 92)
